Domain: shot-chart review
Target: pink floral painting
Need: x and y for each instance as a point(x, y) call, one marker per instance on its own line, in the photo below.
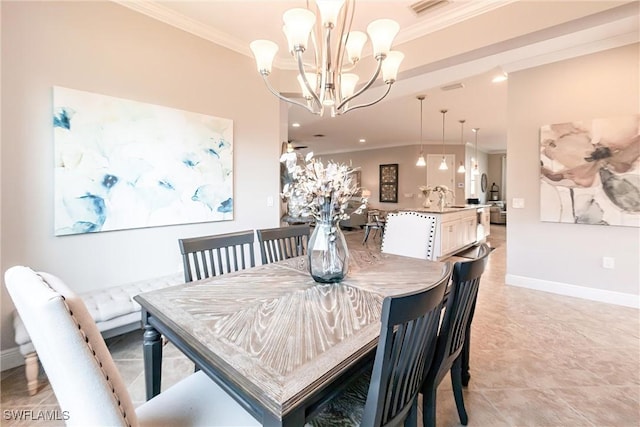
point(590, 172)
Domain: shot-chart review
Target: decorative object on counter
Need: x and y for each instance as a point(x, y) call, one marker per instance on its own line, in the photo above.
point(421, 162)
point(326, 190)
point(389, 183)
point(326, 83)
point(590, 172)
point(440, 190)
point(426, 192)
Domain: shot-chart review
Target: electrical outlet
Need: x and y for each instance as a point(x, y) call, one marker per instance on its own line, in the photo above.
point(270, 201)
point(608, 262)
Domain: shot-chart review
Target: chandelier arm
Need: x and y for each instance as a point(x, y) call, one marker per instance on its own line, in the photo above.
point(284, 98)
point(329, 78)
point(312, 91)
point(367, 86)
point(344, 28)
point(369, 103)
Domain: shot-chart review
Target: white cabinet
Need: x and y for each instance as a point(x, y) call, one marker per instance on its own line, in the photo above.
point(484, 214)
point(457, 230)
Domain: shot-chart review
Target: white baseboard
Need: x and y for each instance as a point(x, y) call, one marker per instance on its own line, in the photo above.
point(600, 295)
point(11, 358)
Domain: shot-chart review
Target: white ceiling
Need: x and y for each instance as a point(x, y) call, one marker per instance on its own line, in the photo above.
point(396, 120)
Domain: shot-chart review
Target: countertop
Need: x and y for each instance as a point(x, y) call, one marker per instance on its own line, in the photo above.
point(448, 209)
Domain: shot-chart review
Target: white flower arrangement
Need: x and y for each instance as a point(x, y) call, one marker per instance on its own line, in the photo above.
point(440, 190)
point(324, 190)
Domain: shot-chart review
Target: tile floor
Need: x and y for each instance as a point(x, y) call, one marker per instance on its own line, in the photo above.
point(537, 359)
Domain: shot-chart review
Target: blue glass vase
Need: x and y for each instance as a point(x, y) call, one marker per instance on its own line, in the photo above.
point(327, 250)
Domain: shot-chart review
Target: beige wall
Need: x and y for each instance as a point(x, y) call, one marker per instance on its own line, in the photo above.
point(105, 48)
point(562, 257)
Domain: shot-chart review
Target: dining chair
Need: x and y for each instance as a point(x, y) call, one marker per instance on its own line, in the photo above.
point(281, 243)
point(84, 377)
point(409, 234)
point(376, 224)
point(209, 256)
point(453, 334)
point(387, 394)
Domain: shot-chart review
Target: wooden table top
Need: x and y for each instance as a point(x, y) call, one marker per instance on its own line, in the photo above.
point(275, 333)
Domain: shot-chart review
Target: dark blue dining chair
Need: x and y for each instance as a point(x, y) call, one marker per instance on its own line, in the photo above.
point(387, 394)
point(277, 244)
point(209, 256)
point(454, 332)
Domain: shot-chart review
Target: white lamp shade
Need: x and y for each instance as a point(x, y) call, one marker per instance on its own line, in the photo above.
point(421, 161)
point(391, 65)
point(443, 165)
point(298, 23)
point(461, 168)
point(312, 79)
point(382, 33)
point(355, 44)
point(264, 51)
point(348, 84)
point(329, 10)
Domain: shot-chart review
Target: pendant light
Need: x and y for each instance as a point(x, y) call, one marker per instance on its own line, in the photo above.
point(421, 161)
point(443, 164)
point(461, 168)
point(475, 167)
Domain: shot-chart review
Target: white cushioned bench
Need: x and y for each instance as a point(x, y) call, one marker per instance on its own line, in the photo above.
point(113, 309)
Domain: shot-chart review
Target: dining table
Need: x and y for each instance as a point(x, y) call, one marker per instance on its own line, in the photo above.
point(278, 342)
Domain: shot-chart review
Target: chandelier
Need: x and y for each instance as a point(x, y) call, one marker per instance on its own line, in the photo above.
point(324, 74)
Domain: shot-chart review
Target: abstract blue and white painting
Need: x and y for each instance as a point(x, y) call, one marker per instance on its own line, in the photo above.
point(122, 164)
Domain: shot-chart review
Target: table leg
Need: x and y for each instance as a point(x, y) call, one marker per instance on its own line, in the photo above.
point(152, 353)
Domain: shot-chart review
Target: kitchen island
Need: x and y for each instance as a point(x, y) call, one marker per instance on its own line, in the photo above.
point(457, 228)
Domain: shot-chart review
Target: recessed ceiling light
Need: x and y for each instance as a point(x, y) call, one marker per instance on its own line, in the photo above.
point(500, 77)
point(295, 125)
point(362, 141)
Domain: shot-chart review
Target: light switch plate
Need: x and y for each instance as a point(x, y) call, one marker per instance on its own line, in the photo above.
point(517, 203)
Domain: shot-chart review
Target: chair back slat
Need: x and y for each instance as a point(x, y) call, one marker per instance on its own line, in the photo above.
point(277, 244)
point(210, 256)
point(405, 349)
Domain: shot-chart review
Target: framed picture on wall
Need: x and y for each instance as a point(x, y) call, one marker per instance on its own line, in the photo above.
point(389, 183)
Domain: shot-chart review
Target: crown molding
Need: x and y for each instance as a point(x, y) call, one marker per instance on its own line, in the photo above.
point(164, 14)
point(452, 14)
